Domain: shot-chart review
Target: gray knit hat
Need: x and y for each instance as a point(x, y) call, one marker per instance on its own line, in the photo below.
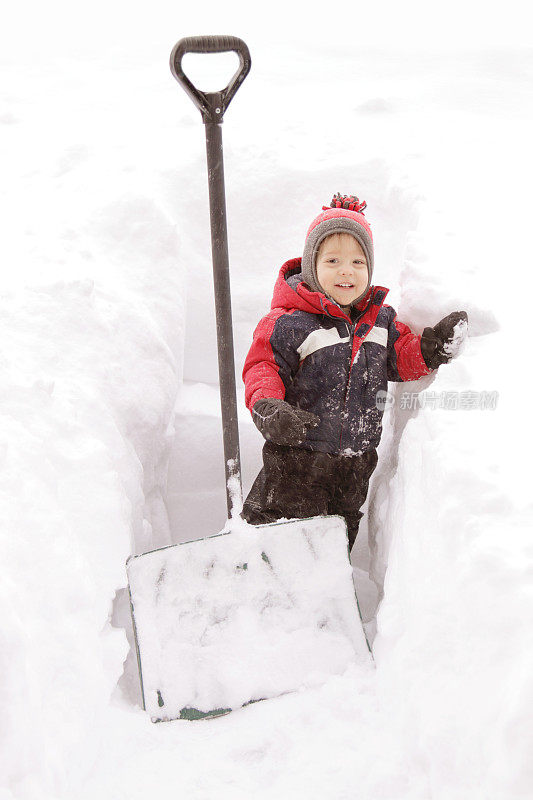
point(344, 215)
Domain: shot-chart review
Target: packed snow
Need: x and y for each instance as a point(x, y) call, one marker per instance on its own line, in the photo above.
point(455, 345)
point(110, 424)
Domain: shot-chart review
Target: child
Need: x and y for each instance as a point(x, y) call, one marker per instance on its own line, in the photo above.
point(316, 367)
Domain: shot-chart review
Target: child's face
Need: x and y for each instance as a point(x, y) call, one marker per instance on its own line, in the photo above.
point(341, 268)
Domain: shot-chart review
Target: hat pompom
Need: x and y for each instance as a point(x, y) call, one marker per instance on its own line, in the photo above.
point(347, 201)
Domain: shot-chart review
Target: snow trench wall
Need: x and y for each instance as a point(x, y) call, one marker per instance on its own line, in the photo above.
point(90, 369)
point(450, 537)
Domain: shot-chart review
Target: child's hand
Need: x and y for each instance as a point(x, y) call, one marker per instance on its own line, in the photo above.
point(281, 423)
point(444, 341)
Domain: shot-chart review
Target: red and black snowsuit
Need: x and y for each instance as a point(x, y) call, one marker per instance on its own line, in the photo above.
point(307, 351)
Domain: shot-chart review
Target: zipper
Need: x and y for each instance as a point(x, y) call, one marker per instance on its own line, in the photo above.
point(351, 331)
point(352, 328)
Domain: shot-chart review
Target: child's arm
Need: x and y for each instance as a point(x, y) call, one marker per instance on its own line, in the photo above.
point(405, 361)
point(271, 362)
point(269, 367)
point(411, 356)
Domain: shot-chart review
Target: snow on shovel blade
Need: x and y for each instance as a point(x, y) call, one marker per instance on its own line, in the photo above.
point(243, 616)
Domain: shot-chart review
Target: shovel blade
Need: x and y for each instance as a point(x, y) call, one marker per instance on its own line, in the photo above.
point(244, 615)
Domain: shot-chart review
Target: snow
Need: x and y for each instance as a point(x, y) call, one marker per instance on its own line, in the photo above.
point(109, 429)
point(250, 614)
point(455, 346)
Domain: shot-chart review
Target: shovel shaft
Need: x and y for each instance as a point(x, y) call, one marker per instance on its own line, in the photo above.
point(212, 106)
point(226, 362)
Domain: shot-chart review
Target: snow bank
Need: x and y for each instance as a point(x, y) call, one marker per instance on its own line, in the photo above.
point(451, 535)
point(454, 638)
point(90, 367)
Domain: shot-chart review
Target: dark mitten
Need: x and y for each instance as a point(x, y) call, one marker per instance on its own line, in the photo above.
point(281, 423)
point(444, 341)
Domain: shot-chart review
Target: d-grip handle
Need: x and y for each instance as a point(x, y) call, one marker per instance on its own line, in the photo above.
point(212, 105)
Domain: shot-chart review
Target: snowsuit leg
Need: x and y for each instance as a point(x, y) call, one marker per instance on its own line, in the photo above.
point(298, 483)
point(290, 484)
point(351, 490)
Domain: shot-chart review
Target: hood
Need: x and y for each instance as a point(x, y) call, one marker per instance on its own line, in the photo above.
point(291, 292)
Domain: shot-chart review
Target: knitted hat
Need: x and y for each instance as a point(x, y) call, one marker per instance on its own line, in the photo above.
point(344, 215)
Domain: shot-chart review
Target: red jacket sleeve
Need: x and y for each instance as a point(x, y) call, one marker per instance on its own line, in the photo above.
point(266, 369)
point(404, 359)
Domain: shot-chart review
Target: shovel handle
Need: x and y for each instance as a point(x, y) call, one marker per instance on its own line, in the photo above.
point(212, 105)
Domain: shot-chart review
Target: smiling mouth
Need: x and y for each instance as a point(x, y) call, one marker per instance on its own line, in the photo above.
point(344, 285)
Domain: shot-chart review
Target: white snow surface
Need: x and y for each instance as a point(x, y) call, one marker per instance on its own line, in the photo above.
point(250, 614)
point(110, 429)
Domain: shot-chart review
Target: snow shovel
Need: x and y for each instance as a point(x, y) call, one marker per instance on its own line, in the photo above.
point(252, 612)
